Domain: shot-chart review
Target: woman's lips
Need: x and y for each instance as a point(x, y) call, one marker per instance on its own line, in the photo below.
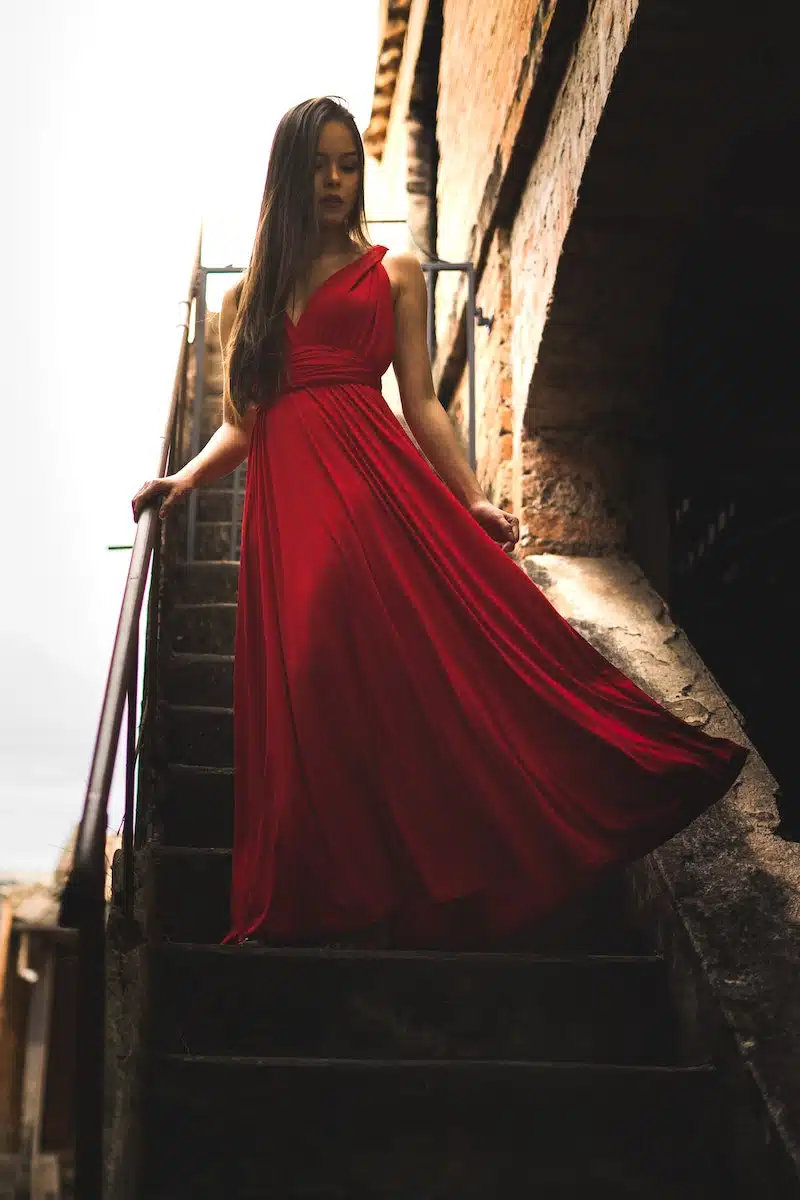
point(331, 201)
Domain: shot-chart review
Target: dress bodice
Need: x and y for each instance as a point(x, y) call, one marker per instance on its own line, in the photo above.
point(345, 334)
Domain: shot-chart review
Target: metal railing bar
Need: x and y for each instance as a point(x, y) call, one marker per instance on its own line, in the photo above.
point(197, 401)
point(83, 902)
point(91, 830)
point(130, 783)
point(470, 332)
point(433, 267)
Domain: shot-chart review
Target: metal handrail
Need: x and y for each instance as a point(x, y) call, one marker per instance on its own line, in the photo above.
point(83, 900)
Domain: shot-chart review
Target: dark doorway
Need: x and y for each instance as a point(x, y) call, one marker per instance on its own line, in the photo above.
point(732, 388)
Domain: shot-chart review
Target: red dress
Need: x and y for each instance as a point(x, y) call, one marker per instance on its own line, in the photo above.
point(417, 730)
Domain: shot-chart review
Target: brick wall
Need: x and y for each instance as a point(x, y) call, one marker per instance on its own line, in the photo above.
point(577, 141)
point(490, 52)
point(564, 481)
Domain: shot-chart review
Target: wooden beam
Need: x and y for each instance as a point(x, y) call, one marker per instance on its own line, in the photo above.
point(6, 918)
point(36, 1047)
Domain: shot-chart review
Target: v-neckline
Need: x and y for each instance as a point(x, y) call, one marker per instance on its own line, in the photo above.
point(295, 325)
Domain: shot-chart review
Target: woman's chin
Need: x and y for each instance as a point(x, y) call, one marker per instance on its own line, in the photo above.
point(332, 216)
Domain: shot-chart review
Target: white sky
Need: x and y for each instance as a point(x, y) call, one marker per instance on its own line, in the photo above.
point(119, 125)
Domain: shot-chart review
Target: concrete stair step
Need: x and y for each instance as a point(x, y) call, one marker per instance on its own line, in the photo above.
point(206, 582)
point(197, 807)
point(204, 628)
point(198, 735)
point(191, 892)
point(330, 1003)
point(200, 679)
point(421, 1130)
point(213, 541)
point(216, 503)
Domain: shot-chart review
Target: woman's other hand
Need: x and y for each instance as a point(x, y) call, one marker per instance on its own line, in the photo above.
point(501, 526)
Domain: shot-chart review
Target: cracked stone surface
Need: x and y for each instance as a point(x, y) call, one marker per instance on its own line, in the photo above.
point(734, 883)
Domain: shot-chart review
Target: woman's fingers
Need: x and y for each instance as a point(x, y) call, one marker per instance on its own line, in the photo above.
point(513, 531)
point(174, 494)
point(513, 523)
point(167, 488)
point(152, 489)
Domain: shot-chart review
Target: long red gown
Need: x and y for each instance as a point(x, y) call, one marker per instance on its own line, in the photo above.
point(417, 730)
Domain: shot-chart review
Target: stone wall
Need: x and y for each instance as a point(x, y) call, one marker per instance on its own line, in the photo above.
point(723, 894)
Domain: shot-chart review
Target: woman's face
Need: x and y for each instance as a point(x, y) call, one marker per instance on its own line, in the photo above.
point(336, 174)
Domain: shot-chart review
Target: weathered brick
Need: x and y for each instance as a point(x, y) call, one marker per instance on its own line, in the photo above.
point(489, 59)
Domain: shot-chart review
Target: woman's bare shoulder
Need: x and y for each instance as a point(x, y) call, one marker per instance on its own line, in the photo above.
point(403, 263)
point(405, 273)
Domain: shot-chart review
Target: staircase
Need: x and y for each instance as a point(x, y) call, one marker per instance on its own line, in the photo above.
point(553, 1071)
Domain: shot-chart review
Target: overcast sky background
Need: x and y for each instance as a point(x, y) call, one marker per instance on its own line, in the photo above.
point(120, 125)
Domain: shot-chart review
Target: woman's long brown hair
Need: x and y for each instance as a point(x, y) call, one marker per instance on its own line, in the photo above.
point(285, 238)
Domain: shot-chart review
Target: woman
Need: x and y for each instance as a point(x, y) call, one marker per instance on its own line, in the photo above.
point(421, 741)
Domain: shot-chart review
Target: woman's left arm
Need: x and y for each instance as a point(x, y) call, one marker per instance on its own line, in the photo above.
point(426, 417)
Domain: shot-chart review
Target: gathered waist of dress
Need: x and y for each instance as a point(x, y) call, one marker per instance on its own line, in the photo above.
point(310, 366)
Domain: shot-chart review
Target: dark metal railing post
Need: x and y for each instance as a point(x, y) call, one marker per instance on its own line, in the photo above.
point(237, 487)
point(431, 322)
point(90, 1047)
point(197, 401)
point(470, 332)
point(434, 266)
point(130, 784)
point(236, 482)
point(431, 267)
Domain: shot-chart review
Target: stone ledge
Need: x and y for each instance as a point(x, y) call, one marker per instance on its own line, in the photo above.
point(732, 885)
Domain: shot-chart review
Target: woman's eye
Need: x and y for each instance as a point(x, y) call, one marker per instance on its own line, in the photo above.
point(347, 168)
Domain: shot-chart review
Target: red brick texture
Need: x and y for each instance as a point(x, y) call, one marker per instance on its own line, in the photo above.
point(555, 486)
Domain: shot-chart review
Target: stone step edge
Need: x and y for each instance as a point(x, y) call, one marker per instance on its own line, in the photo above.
point(185, 657)
point(206, 563)
point(207, 522)
point(176, 768)
point(213, 563)
point(475, 1066)
point(203, 605)
point(218, 710)
point(360, 953)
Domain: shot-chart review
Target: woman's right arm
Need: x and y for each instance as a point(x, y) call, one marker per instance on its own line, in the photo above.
point(222, 453)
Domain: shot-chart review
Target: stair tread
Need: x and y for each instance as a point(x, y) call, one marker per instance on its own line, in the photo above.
point(193, 851)
point(205, 564)
point(201, 656)
point(485, 1066)
point(198, 769)
point(359, 953)
point(172, 706)
point(191, 903)
point(206, 605)
point(406, 1003)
